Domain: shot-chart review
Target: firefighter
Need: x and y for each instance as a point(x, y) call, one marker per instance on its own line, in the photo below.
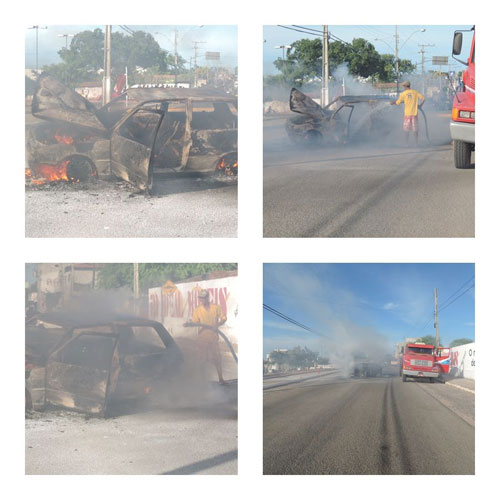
point(208, 340)
point(411, 99)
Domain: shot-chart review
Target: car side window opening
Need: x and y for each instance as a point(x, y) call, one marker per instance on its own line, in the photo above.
point(213, 116)
point(141, 126)
point(89, 350)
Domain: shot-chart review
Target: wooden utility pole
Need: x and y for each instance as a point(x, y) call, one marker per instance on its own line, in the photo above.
point(136, 288)
point(325, 72)
point(106, 95)
point(436, 317)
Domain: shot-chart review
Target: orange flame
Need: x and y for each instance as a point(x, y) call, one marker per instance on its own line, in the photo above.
point(49, 173)
point(63, 139)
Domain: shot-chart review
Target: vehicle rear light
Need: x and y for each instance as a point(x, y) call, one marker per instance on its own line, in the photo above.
point(464, 114)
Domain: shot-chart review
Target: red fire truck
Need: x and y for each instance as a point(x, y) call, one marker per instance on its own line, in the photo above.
point(419, 361)
point(463, 115)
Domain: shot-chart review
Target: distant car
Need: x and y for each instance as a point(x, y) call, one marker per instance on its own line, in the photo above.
point(90, 366)
point(334, 124)
point(142, 133)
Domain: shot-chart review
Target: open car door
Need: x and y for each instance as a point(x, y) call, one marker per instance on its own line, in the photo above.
point(78, 372)
point(55, 102)
point(132, 143)
point(300, 103)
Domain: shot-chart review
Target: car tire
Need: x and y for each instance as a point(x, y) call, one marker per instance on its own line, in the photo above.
point(80, 169)
point(431, 380)
point(404, 378)
point(462, 152)
point(313, 138)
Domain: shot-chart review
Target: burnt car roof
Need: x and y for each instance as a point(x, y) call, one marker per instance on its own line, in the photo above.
point(72, 321)
point(200, 94)
point(303, 104)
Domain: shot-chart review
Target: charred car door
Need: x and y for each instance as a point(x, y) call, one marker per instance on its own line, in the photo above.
point(79, 371)
point(173, 141)
point(132, 143)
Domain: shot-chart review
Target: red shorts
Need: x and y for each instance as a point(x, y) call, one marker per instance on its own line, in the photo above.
point(410, 123)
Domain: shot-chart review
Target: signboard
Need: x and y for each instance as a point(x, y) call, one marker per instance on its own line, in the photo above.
point(463, 361)
point(212, 56)
point(173, 304)
point(440, 60)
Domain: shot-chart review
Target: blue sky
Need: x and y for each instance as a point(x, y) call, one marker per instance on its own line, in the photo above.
point(223, 39)
point(365, 302)
point(439, 36)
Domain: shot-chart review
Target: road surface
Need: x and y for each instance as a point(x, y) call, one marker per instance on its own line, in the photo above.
point(332, 425)
point(200, 439)
point(188, 208)
point(381, 190)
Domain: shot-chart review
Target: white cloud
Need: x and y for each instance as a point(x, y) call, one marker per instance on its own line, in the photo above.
point(390, 306)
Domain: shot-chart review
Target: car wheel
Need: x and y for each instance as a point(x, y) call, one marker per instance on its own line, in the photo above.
point(80, 169)
point(313, 138)
point(462, 152)
point(404, 378)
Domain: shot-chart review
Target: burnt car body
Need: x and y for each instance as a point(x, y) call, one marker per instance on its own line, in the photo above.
point(333, 124)
point(90, 366)
point(143, 132)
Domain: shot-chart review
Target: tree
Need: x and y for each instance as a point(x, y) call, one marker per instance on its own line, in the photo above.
point(457, 342)
point(427, 339)
point(84, 58)
point(151, 275)
point(303, 61)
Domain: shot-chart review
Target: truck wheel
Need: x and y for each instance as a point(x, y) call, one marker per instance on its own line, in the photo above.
point(462, 152)
point(431, 380)
point(404, 378)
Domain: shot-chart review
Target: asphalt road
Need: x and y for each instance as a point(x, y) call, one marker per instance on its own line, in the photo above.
point(187, 208)
point(376, 190)
point(200, 439)
point(330, 425)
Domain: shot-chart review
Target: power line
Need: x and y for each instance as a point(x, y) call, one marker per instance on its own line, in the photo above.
point(291, 320)
point(465, 291)
point(456, 291)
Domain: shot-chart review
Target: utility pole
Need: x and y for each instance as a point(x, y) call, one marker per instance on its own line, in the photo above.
point(36, 28)
point(106, 95)
point(422, 51)
point(176, 57)
point(436, 318)
point(195, 60)
point(325, 72)
point(396, 55)
point(136, 288)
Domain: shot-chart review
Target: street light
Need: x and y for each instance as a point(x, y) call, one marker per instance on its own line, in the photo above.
point(37, 28)
point(65, 35)
point(397, 48)
point(283, 47)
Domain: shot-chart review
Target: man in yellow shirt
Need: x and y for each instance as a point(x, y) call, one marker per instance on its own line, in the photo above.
point(208, 340)
point(410, 98)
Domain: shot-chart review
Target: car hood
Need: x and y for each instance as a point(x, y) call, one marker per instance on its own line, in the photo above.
point(300, 103)
point(54, 101)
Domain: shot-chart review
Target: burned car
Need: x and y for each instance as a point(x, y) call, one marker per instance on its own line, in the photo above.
point(143, 133)
point(91, 366)
point(335, 123)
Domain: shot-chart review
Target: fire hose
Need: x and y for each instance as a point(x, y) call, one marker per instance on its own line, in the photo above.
point(426, 126)
point(216, 330)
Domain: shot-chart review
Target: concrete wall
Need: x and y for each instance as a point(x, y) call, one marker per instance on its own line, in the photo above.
point(173, 306)
point(463, 361)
